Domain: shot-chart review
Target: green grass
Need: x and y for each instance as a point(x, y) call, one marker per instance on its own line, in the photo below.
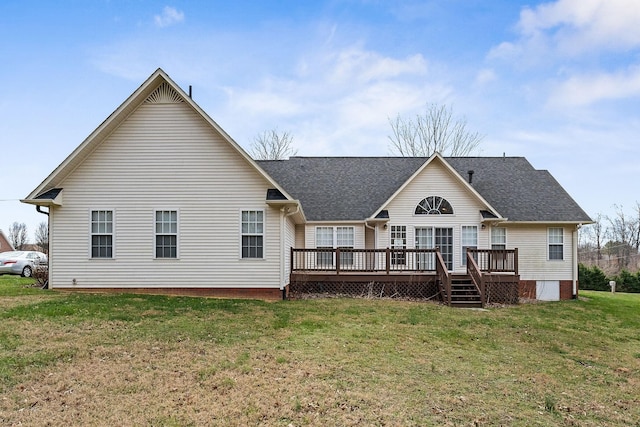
point(154, 360)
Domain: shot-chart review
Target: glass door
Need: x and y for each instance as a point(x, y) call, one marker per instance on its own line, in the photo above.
point(424, 240)
point(444, 240)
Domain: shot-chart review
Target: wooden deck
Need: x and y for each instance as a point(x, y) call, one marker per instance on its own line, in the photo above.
point(491, 276)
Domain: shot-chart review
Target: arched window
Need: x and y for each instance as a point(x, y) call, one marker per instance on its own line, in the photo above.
point(434, 205)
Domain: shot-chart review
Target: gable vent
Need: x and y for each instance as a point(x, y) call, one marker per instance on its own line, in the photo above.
point(164, 94)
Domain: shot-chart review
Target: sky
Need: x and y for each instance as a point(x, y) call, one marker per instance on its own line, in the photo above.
point(557, 82)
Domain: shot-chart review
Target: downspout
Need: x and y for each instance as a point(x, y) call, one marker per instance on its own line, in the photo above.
point(39, 209)
point(283, 253)
point(375, 235)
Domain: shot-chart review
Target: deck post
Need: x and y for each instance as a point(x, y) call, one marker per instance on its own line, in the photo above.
point(515, 261)
point(337, 261)
point(387, 259)
point(291, 263)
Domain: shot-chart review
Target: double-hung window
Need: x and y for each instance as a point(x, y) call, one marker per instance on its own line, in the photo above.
point(469, 238)
point(556, 243)
point(324, 240)
point(498, 238)
point(345, 239)
point(329, 238)
point(499, 260)
point(252, 234)
point(102, 234)
point(166, 234)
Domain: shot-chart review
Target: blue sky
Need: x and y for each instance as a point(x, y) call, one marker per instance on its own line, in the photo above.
point(555, 81)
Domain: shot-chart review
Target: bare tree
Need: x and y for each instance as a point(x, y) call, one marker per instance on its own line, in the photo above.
point(42, 237)
point(18, 235)
point(434, 131)
point(272, 145)
point(591, 240)
point(623, 232)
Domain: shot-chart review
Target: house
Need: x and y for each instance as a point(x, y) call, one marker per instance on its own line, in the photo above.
point(159, 199)
point(5, 245)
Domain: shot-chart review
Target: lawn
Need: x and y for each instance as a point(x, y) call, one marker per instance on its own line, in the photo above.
point(79, 359)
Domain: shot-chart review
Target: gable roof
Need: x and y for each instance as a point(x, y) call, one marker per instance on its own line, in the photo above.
point(436, 157)
point(158, 85)
point(355, 188)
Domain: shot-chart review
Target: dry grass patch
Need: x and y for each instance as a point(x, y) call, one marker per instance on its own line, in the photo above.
point(123, 360)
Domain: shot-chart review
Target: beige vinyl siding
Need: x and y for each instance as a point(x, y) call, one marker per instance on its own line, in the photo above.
point(299, 240)
point(531, 241)
point(289, 242)
point(164, 156)
point(435, 180)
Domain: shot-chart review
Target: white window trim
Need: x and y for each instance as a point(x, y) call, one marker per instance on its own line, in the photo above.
point(334, 232)
point(463, 253)
point(452, 214)
point(549, 244)
point(506, 237)
point(155, 234)
point(264, 234)
point(113, 233)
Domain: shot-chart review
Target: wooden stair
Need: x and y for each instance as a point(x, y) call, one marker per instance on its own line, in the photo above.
point(464, 294)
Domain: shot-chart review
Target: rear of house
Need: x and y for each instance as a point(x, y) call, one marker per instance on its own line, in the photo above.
point(160, 199)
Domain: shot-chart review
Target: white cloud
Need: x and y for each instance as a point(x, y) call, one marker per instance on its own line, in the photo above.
point(577, 27)
point(366, 66)
point(485, 76)
point(336, 101)
point(580, 90)
point(169, 16)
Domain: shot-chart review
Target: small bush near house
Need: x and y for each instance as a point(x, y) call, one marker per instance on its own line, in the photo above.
point(41, 275)
point(592, 278)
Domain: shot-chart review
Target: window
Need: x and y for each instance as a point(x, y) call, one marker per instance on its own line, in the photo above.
point(102, 234)
point(398, 241)
point(330, 238)
point(469, 238)
point(253, 234)
point(498, 238)
point(556, 243)
point(434, 205)
point(166, 234)
point(324, 240)
point(345, 239)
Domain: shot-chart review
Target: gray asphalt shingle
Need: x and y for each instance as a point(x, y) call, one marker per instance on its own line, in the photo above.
point(353, 188)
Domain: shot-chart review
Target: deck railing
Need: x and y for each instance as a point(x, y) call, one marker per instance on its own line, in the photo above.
point(496, 260)
point(346, 260)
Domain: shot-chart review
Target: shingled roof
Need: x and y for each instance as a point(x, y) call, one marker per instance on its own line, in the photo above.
point(354, 188)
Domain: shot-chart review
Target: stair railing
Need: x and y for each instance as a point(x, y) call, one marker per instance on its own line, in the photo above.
point(477, 277)
point(444, 277)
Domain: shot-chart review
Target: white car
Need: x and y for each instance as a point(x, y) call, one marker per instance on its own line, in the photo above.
point(21, 262)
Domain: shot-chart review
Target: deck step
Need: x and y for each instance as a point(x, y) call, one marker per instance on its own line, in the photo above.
point(464, 293)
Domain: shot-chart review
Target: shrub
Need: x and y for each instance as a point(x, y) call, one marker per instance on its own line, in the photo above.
point(41, 275)
point(627, 282)
point(592, 278)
